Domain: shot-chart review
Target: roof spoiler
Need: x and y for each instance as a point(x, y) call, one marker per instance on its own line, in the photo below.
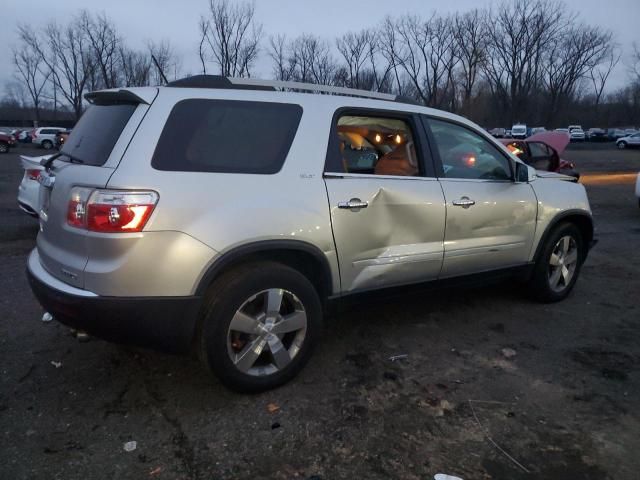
point(113, 97)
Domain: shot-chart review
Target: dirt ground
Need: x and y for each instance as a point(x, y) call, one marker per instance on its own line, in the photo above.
point(565, 406)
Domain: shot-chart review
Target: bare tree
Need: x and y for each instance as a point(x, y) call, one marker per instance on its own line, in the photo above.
point(306, 58)
point(283, 66)
point(230, 38)
point(571, 57)
point(390, 49)
point(519, 34)
point(103, 43)
point(355, 50)
point(66, 53)
point(634, 66)
point(167, 63)
point(136, 67)
point(600, 74)
point(470, 34)
point(32, 73)
point(426, 51)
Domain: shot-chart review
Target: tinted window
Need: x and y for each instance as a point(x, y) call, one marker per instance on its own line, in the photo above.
point(465, 154)
point(375, 146)
point(227, 136)
point(97, 132)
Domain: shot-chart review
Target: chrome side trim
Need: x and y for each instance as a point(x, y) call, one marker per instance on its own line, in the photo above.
point(38, 271)
point(377, 177)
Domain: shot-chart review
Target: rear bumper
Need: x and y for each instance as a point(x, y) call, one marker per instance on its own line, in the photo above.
point(162, 323)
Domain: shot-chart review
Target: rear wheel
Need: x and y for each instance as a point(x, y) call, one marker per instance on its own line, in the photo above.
point(47, 145)
point(4, 148)
point(260, 325)
point(558, 266)
point(622, 145)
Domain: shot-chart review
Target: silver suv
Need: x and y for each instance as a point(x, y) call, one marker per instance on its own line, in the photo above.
point(225, 216)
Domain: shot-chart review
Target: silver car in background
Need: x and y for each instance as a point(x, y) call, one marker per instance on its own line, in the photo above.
point(226, 215)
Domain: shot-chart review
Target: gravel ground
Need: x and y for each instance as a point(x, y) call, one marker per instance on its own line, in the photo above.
point(493, 385)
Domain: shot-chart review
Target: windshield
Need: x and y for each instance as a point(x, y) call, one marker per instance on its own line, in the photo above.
point(97, 132)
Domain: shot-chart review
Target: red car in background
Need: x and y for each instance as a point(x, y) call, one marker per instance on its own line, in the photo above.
point(7, 141)
point(542, 151)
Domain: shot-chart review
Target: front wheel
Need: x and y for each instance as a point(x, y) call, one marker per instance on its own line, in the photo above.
point(558, 265)
point(260, 325)
point(47, 145)
point(4, 148)
point(622, 145)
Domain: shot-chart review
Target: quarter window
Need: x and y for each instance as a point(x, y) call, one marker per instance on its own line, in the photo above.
point(227, 136)
point(374, 145)
point(465, 154)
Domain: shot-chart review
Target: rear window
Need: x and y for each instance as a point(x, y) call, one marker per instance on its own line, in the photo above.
point(97, 132)
point(227, 136)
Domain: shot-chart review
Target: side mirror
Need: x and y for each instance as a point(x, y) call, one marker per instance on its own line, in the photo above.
point(524, 173)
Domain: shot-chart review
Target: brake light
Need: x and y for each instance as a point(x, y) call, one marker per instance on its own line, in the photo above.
point(110, 211)
point(33, 174)
point(33, 134)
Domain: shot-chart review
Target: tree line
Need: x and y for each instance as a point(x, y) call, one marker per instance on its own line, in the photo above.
point(534, 61)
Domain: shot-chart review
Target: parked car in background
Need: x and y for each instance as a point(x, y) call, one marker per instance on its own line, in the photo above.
point(576, 134)
point(615, 133)
point(535, 130)
point(141, 239)
point(597, 135)
point(7, 141)
point(542, 151)
point(29, 188)
point(61, 137)
point(24, 137)
point(45, 136)
point(630, 131)
point(498, 132)
point(629, 141)
point(507, 134)
point(519, 131)
point(564, 130)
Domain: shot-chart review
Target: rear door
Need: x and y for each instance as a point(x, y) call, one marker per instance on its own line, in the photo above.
point(490, 217)
point(387, 207)
point(87, 160)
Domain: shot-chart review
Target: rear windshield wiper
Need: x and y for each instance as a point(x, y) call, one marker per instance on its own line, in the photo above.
point(47, 163)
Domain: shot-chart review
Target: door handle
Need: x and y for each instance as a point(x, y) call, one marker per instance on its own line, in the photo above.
point(464, 202)
point(353, 204)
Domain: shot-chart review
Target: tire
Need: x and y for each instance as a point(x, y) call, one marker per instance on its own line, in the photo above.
point(4, 148)
point(553, 277)
point(47, 145)
point(239, 299)
point(622, 145)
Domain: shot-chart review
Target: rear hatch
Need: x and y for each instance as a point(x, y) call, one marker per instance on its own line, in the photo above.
point(87, 160)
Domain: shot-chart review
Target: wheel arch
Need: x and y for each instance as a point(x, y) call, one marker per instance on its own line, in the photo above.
point(580, 219)
point(300, 255)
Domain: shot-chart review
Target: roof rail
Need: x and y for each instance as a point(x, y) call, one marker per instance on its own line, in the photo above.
point(218, 81)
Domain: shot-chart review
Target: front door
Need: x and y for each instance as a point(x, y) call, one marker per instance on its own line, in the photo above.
point(387, 208)
point(491, 219)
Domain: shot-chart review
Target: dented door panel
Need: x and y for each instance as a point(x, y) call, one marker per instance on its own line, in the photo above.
point(495, 232)
point(396, 239)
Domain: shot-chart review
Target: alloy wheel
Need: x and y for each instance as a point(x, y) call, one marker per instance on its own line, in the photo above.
point(563, 263)
point(267, 332)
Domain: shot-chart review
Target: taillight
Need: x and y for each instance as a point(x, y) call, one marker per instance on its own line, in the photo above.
point(33, 134)
point(110, 211)
point(33, 174)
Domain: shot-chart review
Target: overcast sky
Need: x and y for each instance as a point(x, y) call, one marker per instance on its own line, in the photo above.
point(141, 20)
